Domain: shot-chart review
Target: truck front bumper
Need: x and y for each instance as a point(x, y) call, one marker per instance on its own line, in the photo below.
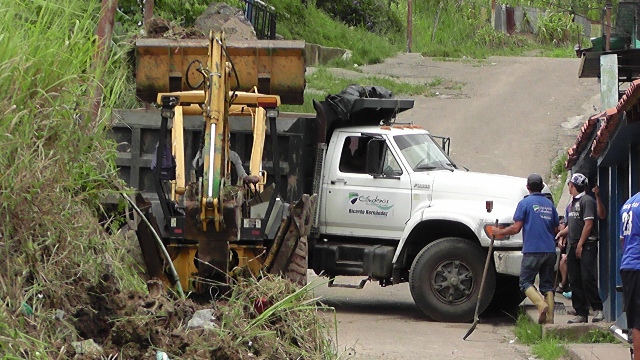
point(508, 261)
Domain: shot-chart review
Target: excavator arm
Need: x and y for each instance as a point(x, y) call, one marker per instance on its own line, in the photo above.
point(216, 102)
point(210, 236)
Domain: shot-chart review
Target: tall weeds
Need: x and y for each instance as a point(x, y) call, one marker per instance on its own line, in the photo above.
point(56, 167)
point(62, 277)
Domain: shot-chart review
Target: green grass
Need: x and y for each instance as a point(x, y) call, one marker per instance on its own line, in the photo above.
point(597, 336)
point(530, 333)
point(527, 331)
point(558, 171)
point(551, 347)
point(315, 26)
point(57, 166)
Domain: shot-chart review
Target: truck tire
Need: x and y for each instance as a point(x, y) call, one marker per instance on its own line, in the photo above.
point(445, 280)
point(289, 254)
point(296, 270)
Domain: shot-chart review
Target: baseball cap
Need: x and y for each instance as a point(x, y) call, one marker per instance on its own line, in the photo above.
point(579, 180)
point(534, 179)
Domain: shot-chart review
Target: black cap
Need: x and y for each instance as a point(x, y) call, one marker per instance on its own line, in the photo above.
point(534, 179)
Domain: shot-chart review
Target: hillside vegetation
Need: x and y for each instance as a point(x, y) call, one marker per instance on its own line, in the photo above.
point(375, 29)
point(67, 277)
point(66, 273)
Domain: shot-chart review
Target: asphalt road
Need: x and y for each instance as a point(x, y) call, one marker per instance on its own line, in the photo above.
point(506, 115)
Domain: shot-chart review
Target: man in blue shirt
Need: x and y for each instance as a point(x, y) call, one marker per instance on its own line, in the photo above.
point(537, 217)
point(630, 266)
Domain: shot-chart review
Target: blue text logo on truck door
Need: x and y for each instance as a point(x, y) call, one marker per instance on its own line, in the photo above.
point(369, 205)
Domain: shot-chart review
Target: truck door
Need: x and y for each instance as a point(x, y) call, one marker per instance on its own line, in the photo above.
point(359, 203)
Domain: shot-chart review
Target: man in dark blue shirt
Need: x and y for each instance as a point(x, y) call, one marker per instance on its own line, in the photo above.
point(537, 217)
point(630, 266)
point(582, 251)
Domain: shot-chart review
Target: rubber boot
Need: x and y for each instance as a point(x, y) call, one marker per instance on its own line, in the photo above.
point(537, 300)
point(549, 298)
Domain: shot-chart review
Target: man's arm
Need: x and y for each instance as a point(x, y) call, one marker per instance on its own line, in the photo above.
point(600, 209)
point(562, 233)
point(237, 164)
point(586, 231)
point(510, 230)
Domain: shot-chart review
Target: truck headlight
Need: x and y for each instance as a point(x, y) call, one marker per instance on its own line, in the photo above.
point(489, 232)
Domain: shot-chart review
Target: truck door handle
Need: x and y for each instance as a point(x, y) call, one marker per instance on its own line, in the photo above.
point(343, 181)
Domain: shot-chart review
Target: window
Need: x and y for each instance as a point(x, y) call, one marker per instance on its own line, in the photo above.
point(422, 153)
point(354, 154)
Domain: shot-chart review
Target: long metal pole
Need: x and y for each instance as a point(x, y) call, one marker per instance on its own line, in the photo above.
point(476, 319)
point(172, 269)
point(608, 26)
point(409, 24)
point(148, 11)
point(104, 34)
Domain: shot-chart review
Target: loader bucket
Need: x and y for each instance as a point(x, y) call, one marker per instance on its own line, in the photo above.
point(275, 67)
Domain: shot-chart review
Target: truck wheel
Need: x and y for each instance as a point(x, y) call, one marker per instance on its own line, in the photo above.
point(296, 270)
point(288, 255)
point(445, 280)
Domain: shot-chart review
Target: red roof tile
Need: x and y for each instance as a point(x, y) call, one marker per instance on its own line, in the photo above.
point(609, 122)
point(604, 133)
point(586, 130)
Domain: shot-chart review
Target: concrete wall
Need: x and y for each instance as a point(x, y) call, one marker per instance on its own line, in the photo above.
point(320, 55)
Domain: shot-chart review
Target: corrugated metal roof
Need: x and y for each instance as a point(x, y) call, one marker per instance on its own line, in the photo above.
point(609, 121)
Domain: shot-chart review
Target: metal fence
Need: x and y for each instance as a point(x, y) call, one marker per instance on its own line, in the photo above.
point(262, 17)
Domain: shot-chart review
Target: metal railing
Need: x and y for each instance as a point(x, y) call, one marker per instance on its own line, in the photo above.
point(262, 17)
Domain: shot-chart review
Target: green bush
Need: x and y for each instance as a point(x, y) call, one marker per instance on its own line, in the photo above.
point(492, 39)
point(558, 29)
point(374, 15)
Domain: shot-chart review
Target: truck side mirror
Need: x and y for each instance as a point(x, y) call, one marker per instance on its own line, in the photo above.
point(375, 151)
point(445, 143)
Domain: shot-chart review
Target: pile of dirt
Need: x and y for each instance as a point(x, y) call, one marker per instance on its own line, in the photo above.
point(217, 17)
point(250, 323)
point(222, 17)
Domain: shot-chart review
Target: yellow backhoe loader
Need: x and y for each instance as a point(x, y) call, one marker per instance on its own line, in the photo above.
point(213, 229)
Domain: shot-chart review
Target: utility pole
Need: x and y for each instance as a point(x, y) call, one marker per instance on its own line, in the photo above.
point(607, 8)
point(410, 24)
point(104, 34)
point(493, 14)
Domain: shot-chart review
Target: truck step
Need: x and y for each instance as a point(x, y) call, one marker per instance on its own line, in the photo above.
point(350, 286)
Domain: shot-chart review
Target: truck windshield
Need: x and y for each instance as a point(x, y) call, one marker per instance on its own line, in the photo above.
point(423, 153)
